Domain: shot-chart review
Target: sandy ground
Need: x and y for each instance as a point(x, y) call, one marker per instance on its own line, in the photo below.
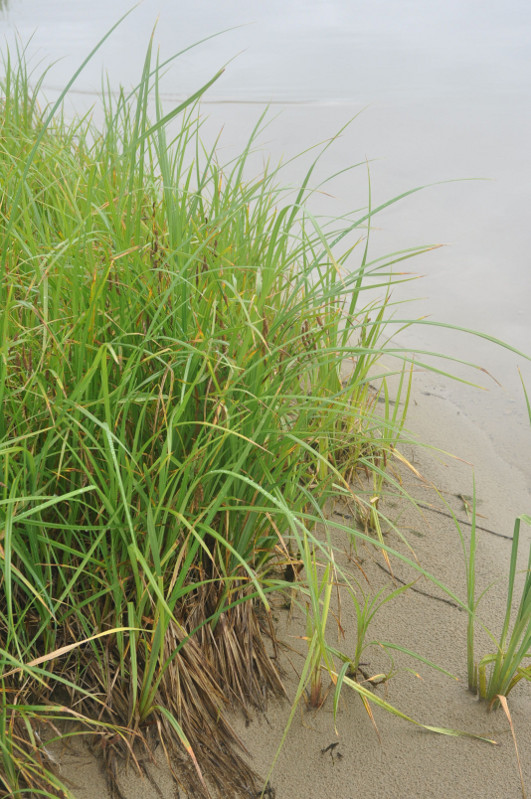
point(404, 761)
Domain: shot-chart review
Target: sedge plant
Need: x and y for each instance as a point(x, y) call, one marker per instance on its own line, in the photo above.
point(173, 334)
point(495, 674)
point(174, 421)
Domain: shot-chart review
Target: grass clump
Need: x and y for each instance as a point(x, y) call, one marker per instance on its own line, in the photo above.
point(507, 664)
point(497, 673)
point(174, 414)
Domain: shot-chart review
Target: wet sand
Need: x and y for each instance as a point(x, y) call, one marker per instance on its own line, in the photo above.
point(404, 761)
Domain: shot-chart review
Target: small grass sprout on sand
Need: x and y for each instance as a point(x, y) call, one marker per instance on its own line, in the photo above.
point(366, 609)
point(317, 611)
point(497, 673)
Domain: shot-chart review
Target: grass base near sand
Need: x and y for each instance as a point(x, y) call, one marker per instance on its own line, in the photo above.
point(406, 761)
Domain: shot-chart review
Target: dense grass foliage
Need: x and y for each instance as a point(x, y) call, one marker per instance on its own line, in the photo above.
point(174, 416)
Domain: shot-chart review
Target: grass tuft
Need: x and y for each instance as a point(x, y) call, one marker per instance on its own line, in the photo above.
point(187, 378)
point(496, 674)
point(173, 340)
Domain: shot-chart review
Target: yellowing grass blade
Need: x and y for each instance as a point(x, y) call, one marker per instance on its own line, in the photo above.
point(505, 706)
point(64, 649)
point(369, 695)
point(368, 709)
point(185, 742)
